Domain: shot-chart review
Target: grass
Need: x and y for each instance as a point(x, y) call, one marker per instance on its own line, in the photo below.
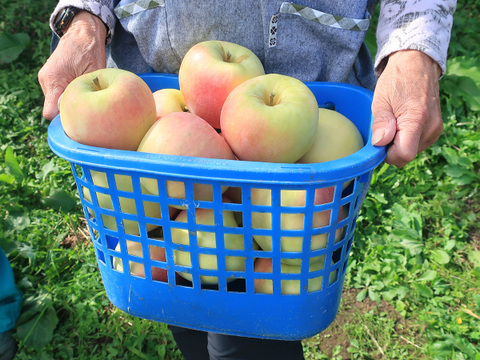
point(412, 289)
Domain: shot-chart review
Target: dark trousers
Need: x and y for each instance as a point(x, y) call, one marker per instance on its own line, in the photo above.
point(200, 345)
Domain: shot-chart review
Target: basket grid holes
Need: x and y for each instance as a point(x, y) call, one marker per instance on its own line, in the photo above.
point(125, 205)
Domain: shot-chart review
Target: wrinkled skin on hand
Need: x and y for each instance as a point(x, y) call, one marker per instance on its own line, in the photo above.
point(406, 106)
point(80, 50)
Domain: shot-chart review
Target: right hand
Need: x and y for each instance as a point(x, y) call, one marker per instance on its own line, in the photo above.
point(80, 50)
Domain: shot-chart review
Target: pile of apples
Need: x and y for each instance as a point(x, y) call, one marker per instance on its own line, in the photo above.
point(226, 107)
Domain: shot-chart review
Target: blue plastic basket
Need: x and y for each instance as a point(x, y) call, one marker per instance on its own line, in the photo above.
point(230, 307)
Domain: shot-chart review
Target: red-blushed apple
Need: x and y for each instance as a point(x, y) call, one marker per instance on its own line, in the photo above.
point(290, 287)
point(209, 71)
point(294, 221)
point(110, 108)
point(208, 239)
point(137, 268)
point(168, 101)
point(186, 134)
point(127, 204)
point(336, 137)
point(234, 193)
point(270, 118)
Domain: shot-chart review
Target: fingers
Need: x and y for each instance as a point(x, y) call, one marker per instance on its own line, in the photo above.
point(413, 133)
point(384, 127)
point(50, 108)
point(406, 135)
point(52, 88)
point(405, 146)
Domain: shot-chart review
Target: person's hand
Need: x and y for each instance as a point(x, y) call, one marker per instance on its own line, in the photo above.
point(80, 50)
point(406, 106)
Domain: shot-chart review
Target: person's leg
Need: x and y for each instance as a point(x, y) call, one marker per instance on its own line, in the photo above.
point(197, 345)
point(227, 347)
point(192, 343)
point(10, 306)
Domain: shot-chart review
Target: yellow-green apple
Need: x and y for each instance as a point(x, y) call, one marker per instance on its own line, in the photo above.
point(292, 287)
point(206, 239)
point(186, 134)
point(137, 268)
point(294, 221)
point(336, 137)
point(209, 71)
point(168, 101)
point(270, 118)
point(110, 108)
point(127, 204)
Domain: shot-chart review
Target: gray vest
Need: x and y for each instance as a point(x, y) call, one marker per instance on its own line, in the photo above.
point(315, 41)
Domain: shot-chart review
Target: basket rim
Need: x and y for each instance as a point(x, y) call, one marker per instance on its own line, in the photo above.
point(356, 164)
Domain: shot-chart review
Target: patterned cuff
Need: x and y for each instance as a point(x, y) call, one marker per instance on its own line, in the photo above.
point(420, 25)
point(103, 9)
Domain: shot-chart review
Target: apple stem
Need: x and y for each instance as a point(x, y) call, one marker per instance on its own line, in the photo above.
point(96, 82)
point(228, 56)
point(272, 95)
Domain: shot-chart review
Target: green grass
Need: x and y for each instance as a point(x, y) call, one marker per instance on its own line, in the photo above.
point(412, 289)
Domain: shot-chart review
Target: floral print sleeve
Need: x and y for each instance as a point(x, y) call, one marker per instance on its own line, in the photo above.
point(101, 8)
point(423, 25)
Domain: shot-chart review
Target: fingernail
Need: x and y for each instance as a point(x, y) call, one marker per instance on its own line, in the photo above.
point(378, 136)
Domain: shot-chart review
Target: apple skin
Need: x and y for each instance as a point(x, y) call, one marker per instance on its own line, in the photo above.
point(270, 118)
point(291, 287)
point(110, 108)
point(207, 240)
point(209, 71)
point(168, 101)
point(336, 137)
point(127, 205)
point(186, 134)
point(137, 268)
point(294, 221)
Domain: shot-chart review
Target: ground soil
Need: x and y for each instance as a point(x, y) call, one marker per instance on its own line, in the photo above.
point(350, 311)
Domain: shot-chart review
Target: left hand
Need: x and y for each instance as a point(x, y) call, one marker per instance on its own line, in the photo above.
point(406, 106)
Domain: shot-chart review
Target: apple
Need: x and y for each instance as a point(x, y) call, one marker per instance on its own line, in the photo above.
point(186, 134)
point(234, 193)
point(292, 287)
point(127, 204)
point(270, 118)
point(138, 268)
point(336, 137)
point(209, 71)
point(294, 221)
point(110, 108)
point(168, 101)
point(206, 239)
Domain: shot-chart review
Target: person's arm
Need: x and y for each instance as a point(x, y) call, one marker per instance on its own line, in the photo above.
point(81, 49)
point(412, 39)
point(103, 9)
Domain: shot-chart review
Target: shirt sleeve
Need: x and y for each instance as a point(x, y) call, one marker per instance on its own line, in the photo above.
point(423, 25)
point(100, 8)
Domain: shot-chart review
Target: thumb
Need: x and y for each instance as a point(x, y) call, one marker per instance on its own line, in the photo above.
point(384, 128)
point(52, 99)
